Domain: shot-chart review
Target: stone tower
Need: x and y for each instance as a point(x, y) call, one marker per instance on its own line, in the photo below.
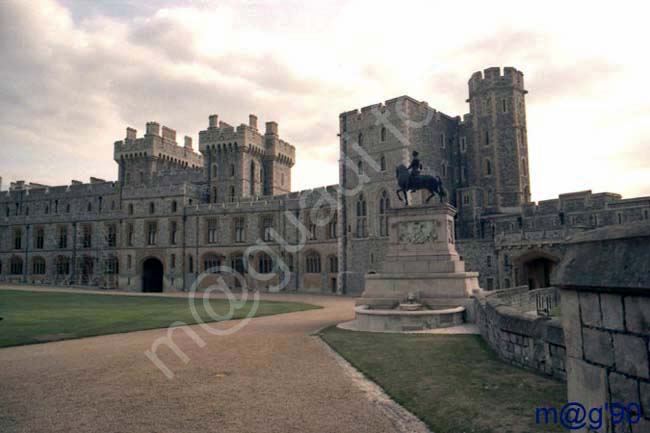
point(498, 135)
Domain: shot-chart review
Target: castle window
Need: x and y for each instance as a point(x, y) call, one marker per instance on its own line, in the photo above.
point(86, 236)
point(172, 261)
point(142, 177)
point(214, 170)
point(384, 204)
point(38, 266)
point(444, 169)
point(252, 179)
point(487, 137)
point(383, 134)
point(360, 139)
point(62, 265)
point(113, 205)
point(190, 263)
point(173, 229)
point(129, 235)
point(645, 214)
point(282, 179)
point(18, 239)
point(443, 143)
point(504, 105)
point(232, 194)
point(63, 237)
point(463, 174)
point(267, 227)
point(360, 167)
point(524, 167)
point(488, 261)
point(111, 265)
point(264, 264)
point(212, 231)
point(238, 229)
point(152, 231)
point(331, 227)
point(40, 238)
point(620, 218)
point(313, 263)
point(16, 266)
point(334, 264)
point(463, 144)
point(152, 208)
point(211, 263)
point(232, 170)
point(111, 237)
point(89, 208)
point(130, 209)
point(129, 261)
point(465, 198)
point(67, 208)
point(490, 283)
point(488, 167)
point(362, 217)
point(382, 163)
point(47, 209)
point(506, 283)
point(174, 206)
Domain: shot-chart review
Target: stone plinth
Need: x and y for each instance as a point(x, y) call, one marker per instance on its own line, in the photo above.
point(422, 260)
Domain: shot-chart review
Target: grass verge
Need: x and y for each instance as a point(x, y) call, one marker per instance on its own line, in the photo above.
point(454, 383)
point(38, 317)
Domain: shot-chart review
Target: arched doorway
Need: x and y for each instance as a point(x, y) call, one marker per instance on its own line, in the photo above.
point(152, 275)
point(535, 268)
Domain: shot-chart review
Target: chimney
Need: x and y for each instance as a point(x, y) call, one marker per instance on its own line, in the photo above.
point(252, 121)
point(130, 133)
point(213, 121)
point(188, 142)
point(153, 128)
point(271, 128)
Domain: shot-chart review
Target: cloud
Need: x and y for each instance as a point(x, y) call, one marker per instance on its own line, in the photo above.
point(75, 73)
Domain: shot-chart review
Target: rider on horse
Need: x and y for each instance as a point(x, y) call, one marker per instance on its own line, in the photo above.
point(414, 168)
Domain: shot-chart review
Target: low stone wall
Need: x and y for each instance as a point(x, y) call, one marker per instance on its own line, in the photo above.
point(518, 335)
point(605, 286)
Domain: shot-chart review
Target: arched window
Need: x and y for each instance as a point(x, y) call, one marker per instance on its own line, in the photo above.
point(383, 134)
point(360, 139)
point(360, 167)
point(211, 263)
point(214, 170)
point(38, 266)
point(384, 205)
point(232, 170)
point(232, 193)
point(190, 264)
point(488, 167)
point(382, 163)
point(152, 208)
point(312, 263)
point(362, 217)
point(174, 206)
point(333, 264)
point(16, 266)
point(264, 263)
point(237, 263)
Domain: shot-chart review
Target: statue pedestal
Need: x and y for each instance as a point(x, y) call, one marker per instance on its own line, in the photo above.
point(421, 260)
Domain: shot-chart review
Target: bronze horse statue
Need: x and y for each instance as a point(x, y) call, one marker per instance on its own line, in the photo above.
point(423, 181)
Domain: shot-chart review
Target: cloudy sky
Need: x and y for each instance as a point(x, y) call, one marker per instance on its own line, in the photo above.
point(75, 73)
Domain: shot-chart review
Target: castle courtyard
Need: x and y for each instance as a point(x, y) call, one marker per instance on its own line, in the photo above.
point(273, 375)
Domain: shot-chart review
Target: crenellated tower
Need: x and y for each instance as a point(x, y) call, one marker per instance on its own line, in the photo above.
point(498, 137)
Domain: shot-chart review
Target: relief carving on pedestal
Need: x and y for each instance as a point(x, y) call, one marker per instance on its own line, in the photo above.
point(417, 232)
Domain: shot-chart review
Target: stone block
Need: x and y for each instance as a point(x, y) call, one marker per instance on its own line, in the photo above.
point(611, 307)
point(631, 355)
point(643, 426)
point(570, 318)
point(637, 314)
point(597, 346)
point(622, 389)
point(587, 385)
point(590, 309)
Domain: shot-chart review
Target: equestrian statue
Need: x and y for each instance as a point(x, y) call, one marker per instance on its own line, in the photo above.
point(410, 179)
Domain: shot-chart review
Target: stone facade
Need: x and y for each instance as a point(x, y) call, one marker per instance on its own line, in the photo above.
point(187, 210)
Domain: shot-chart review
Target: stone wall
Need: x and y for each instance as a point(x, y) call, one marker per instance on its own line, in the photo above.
point(509, 324)
point(605, 283)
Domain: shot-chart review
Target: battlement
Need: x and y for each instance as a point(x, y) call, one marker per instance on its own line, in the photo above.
point(493, 77)
point(154, 145)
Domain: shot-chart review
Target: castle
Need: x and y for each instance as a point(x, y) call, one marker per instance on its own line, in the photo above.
point(173, 213)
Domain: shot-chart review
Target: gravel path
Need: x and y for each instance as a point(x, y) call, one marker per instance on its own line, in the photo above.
point(270, 376)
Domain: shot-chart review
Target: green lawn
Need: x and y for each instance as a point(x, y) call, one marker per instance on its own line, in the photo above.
point(454, 383)
point(37, 317)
